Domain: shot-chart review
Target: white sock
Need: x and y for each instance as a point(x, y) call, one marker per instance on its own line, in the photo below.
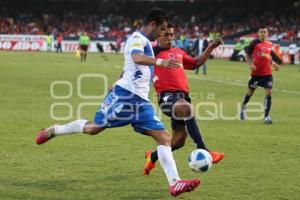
point(166, 160)
point(70, 128)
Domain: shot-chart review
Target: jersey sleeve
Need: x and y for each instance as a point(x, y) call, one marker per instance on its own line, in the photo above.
point(276, 58)
point(249, 49)
point(136, 45)
point(156, 50)
point(188, 62)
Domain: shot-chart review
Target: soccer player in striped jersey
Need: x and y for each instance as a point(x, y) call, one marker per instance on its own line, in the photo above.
point(128, 102)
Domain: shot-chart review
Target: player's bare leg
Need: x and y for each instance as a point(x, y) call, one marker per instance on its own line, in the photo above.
point(178, 138)
point(247, 97)
point(268, 103)
point(74, 127)
point(165, 157)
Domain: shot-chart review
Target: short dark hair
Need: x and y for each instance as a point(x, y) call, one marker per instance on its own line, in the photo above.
point(170, 25)
point(262, 27)
point(157, 15)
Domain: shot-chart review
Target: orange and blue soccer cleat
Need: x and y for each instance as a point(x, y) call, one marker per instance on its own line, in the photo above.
point(216, 156)
point(149, 165)
point(182, 186)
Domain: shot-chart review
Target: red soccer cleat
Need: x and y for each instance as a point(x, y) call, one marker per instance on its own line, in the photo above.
point(149, 165)
point(43, 136)
point(182, 186)
point(216, 156)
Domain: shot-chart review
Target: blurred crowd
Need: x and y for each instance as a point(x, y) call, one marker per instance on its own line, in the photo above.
point(227, 23)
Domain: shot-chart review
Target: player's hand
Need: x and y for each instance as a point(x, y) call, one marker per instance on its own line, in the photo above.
point(216, 43)
point(171, 63)
point(276, 66)
point(253, 67)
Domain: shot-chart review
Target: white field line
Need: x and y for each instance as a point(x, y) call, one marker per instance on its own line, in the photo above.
point(239, 83)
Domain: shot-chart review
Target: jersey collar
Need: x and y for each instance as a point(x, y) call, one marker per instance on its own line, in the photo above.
point(143, 34)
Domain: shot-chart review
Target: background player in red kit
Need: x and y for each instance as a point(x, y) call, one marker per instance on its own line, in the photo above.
point(260, 57)
point(171, 86)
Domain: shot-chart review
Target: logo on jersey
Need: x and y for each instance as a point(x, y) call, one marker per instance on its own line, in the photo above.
point(137, 75)
point(155, 78)
point(136, 45)
point(263, 54)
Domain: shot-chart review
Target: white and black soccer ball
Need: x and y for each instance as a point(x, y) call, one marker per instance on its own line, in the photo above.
point(200, 160)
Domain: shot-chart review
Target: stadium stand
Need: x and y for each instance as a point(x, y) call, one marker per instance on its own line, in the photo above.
point(106, 19)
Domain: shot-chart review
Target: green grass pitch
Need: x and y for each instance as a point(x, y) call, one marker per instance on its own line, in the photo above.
point(261, 161)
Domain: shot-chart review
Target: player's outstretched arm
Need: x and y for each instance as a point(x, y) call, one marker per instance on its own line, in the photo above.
point(141, 59)
point(200, 60)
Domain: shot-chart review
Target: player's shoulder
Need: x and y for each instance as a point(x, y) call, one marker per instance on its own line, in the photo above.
point(157, 50)
point(255, 42)
point(137, 37)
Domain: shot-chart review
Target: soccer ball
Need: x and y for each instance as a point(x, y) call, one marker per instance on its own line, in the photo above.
point(200, 160)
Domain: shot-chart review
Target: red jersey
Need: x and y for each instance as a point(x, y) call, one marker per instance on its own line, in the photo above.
point(59, 39)
point(261, 52)
point(172, 79)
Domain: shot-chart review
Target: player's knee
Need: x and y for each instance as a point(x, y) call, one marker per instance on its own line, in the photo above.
point(92, 130)
point(250, 92)
point(177, 145)
point(165, 139)
point(160, 136)
point(183, 109)
point(186, 110)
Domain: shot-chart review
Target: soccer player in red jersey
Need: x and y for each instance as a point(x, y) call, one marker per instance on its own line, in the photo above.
point(260, 57)
point(171, 86)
